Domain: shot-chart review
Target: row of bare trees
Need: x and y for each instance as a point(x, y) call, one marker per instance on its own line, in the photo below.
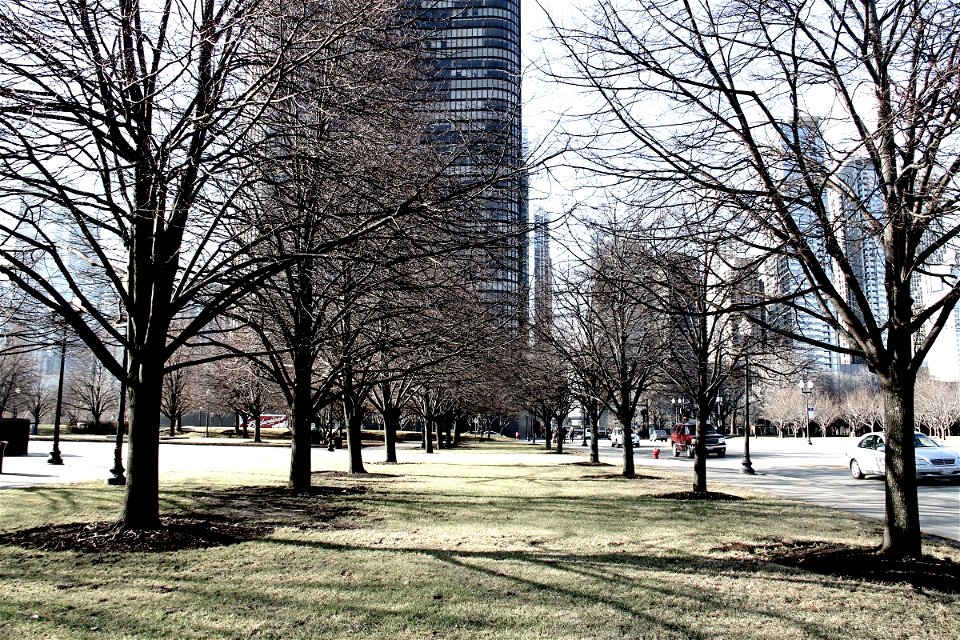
point(856, 406)
point(740, 121)
point(257, 179)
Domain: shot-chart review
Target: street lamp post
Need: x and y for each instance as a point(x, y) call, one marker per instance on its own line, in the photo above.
point(55, 457)
point(118, 478)
point(746, 464)
point(806, 388)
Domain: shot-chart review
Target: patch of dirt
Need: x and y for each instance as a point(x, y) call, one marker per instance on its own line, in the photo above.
point(174, 534)
point(221, 517)
point(587, 463)
point(354, 476)
point(619, 476)
point(279, 506)
point(858, 563)
point(698, 495)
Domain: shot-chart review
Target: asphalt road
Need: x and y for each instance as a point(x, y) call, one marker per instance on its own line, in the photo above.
point(816, 474)
point(787, 467)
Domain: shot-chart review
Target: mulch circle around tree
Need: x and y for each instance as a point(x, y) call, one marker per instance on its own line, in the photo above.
point(858, 563)
point(353, 476)
point(174, 534)
point(619, 476)
point(700, 495)
point(587, 463)
point(222, 517)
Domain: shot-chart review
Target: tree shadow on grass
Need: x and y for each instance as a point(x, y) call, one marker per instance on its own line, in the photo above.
point(219, 517)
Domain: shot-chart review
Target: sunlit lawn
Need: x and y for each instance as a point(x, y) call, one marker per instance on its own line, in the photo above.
point(477, 550)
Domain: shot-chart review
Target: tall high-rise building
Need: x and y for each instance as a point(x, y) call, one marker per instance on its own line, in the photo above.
point(803, 316)
point(855, 208)
point(542, 274)
point(475, 47)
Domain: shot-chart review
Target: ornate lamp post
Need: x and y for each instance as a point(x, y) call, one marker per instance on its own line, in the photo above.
point(55, 457)
point(677, 408)
point(118, 478)
point(806, 388)
point(746, 465)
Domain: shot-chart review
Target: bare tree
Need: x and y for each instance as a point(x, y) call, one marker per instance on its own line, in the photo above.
point(179, 396)
point(141, 136)
point(614, 342)
point(863, 408)
point(38, 399)
point(93, 390)
point(16, 375)
point(763, 109)
point(938, 405)
point(781, 404)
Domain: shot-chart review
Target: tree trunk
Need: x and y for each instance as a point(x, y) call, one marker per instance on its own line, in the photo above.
point(901, 531)
point(561, 418)
point(700, 451)
point(547, 433)
point(595, 435)
point(353, 415)
point(256, 428)
point(391, 424)
point(354, 441)
point(300, 464)
point(428, 433)
point(141, 507)
point(448, 429)
point(626, 421)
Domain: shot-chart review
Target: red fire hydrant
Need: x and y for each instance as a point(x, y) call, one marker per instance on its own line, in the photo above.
point(656, 453)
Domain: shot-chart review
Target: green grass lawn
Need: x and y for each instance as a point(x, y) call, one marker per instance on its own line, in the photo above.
point(484, 549)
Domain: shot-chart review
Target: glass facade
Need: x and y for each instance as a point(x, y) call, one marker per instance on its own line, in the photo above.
point(475, 62)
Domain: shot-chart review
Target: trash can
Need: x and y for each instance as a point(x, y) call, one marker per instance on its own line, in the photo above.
point(338, 442)
point(16, 433)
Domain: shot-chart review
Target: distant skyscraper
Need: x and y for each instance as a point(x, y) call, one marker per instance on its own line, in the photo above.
point(855, 207)
point(475, 46)
point(789, 276)
point(542, 275)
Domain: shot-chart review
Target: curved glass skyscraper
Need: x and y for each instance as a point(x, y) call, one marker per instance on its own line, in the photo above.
point(475, 46)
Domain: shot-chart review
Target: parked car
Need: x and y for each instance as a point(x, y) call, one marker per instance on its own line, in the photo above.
point(616, 437)
point(659, 434)
point(933, 459)
point(683, 438)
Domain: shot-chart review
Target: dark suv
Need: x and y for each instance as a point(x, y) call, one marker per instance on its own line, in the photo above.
point(684, 438)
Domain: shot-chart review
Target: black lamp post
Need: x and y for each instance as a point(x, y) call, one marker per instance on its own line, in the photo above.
point(746, 464)
point(55, 457)
point(118, 478)
point(806, 388)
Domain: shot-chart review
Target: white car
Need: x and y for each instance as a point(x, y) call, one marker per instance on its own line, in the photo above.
point(933, 459)
point(616, 438)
